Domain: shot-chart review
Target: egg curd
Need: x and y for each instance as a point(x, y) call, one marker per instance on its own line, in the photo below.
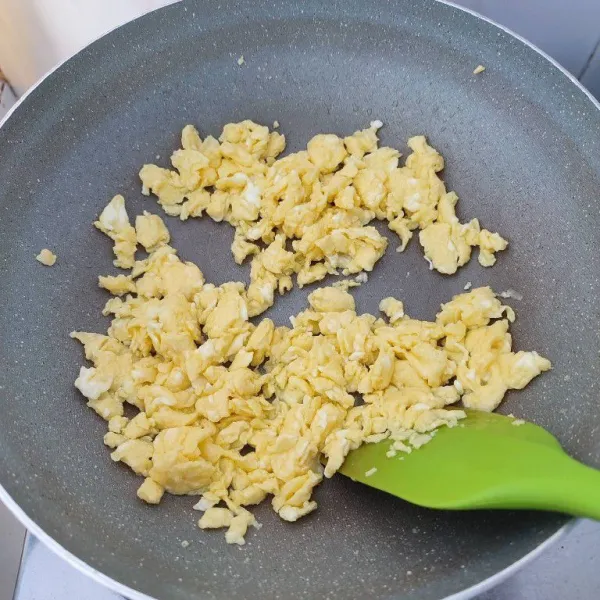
point(46, 257)
point(308, 214)
point(236, 412)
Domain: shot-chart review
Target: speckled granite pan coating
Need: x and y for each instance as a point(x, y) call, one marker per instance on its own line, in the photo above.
point(521, 145)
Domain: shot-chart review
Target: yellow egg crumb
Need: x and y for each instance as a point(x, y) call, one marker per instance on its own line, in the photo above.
point(151, 232)
point(114, 222)
point(238, 411)
point(46, 257)
point(150, 491)
point(478, 69)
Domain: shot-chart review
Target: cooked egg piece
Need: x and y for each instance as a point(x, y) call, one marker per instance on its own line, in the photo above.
point(151, 231)
point(114, 222)
point(46, 257)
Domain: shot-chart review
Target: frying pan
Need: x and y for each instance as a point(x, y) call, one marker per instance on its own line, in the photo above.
point(522, 148)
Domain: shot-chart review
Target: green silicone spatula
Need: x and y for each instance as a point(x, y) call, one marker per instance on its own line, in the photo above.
point(488, 462)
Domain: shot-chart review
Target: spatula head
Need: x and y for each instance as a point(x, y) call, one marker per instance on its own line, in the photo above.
point(481, 463)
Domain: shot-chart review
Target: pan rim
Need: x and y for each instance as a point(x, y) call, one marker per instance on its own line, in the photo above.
point(132, 594)
point(115, 586)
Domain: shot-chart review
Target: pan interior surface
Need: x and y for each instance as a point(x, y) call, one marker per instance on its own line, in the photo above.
point(521, 149)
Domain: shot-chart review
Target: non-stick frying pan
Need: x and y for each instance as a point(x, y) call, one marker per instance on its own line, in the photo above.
point(522, 144)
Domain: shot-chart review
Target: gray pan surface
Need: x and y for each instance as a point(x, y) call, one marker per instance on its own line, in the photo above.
point(521, 143)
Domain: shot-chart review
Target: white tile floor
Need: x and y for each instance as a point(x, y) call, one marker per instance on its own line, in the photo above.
point(12, 533)
point(11, 545)
point(6, 97)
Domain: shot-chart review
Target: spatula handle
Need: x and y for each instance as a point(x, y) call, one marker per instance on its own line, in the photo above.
point(574, 489)
point(559, 484)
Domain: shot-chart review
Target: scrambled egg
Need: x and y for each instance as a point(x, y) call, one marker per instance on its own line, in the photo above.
point(114, 222)
point(236, 412)
point(307, 215)
point(46, 257)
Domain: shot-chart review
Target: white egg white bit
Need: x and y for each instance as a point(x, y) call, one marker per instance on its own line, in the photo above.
point(468, 286)
point(376, 124)
point(203, 504)
point(429, 262)
point(244, 312)
point(370, 472)
point(207, 349)
point(267, 293)
point(177, 376)
point(322, 419)
point(252, 194)
point(89, 385)
point(511, 294)
point(413, 202)
point(301, 447)
point(420, 439)
point(254, 233)
point(402, 447)
point(289, 513)
point(397, 316)
point(527, 360)
point(239, 178)
point(111, 217)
